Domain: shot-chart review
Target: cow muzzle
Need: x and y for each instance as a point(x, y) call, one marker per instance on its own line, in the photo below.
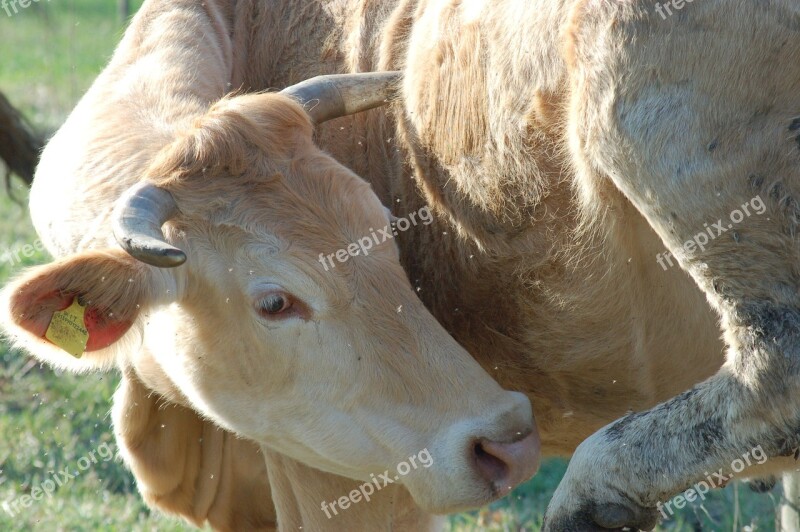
point(487, 458)
point(506, 465)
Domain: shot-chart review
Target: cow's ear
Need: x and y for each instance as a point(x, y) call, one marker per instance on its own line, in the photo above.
point(73, 313)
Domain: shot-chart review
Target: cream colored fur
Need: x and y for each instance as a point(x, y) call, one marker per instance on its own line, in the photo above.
point(357, 378)
point(562, 145)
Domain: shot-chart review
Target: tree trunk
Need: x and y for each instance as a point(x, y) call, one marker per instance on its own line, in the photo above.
point(20, 145)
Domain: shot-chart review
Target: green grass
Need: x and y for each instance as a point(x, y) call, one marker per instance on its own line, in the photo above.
point(52, 52)
point(48, 421)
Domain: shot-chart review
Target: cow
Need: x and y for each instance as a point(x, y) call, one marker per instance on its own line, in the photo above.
point(226, 312)
point(568, 150)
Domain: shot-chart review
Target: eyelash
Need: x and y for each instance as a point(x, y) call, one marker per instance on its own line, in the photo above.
point(291, 308)
point(269, 301)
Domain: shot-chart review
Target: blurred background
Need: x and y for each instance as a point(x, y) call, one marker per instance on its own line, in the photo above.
point(49, 420)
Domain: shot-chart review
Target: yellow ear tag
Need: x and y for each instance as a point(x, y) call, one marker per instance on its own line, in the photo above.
point(67, 330)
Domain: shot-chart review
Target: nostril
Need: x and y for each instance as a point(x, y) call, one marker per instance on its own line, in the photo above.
point(491, 467)
point(505, 465)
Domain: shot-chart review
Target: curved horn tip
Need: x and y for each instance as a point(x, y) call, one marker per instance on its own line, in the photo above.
point(151, 251)
point(170, 258)
point(139, 215)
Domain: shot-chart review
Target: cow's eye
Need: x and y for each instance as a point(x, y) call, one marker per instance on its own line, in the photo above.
point(274, 304)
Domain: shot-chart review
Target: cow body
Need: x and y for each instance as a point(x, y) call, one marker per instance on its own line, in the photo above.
point(501, 264)
point(562, 146)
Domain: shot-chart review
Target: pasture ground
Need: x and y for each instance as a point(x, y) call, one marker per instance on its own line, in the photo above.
point(49, 421)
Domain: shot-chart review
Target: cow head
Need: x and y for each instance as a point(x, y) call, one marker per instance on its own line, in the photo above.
point(341, 368)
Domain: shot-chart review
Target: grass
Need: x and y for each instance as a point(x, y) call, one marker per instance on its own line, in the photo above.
point(49, 421)
point(54, 49)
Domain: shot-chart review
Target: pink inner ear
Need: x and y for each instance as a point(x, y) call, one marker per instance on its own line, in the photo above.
point(104, 330)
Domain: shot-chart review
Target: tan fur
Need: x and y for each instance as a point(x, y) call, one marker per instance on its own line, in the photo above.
point(562, 299)
point(258, 203)
point(187, 465)
point(299, 489)
point(551, 206)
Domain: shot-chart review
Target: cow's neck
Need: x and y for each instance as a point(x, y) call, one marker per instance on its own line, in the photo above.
point(572, 309)
point(555, 289)
point(553, 286)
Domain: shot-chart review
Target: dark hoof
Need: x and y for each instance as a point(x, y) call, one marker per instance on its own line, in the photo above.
point(604, 517)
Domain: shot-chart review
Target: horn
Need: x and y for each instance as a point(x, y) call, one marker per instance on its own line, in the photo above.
point(328, 97)
point(137, 222)
point(144, 208)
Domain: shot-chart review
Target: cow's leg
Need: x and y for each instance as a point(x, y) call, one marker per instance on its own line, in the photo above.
point(694, 119)
point(309, 499)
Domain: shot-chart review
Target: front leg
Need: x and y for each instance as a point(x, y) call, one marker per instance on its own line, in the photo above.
point(626, 474)
point(694, 119)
